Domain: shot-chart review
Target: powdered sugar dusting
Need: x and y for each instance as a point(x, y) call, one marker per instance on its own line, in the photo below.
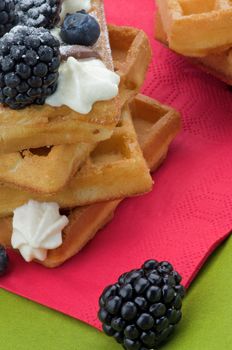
point(72, 6)
point(38, 13)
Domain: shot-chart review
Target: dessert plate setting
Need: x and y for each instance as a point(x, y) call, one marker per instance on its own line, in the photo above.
point(85, 123)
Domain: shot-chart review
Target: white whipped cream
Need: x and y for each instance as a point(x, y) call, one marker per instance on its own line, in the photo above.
point(56, 33)
point(72, 6)
point(83, 82)
point(36, 228)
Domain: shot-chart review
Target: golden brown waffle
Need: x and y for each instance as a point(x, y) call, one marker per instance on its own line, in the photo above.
point(101, 177)
point(36, 170)
point(219, 65)
point(131, 53)
point(197, 27)
point(45, 170)
point(37, 126)
point(156, 126)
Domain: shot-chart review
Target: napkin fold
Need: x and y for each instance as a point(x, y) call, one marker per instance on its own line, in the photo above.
point(182, 220)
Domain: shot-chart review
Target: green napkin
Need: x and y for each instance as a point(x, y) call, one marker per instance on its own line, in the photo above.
point(25, 325)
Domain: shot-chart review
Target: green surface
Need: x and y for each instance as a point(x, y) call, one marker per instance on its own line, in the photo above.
point(206, 323)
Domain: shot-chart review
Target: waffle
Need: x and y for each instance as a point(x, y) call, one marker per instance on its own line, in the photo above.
point(219, 65)
point(46, 169)
point(36, 170)
point(38, 126)
point(101, 177)
point(156, 126)
point(131, 53)
point(197, 27)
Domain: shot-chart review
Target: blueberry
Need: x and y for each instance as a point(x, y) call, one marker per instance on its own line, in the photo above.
point(4, 260)
point(80, 28)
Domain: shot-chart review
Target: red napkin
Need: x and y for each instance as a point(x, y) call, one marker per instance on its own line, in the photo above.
point(189, 211)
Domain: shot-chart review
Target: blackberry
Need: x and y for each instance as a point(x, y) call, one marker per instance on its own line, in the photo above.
point(4, 260)
point(29, 62)
point(8, 17)
point(38, 13)
point(142, 309)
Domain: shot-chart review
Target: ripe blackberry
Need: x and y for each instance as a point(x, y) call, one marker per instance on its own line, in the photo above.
point(29, 62)
point(38, 13)
point(142, 309)
point(8, 16)
point(4, 260)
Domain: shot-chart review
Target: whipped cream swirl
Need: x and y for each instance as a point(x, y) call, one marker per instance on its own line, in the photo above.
point(83, 82)
point(72, 6)
point(37, 227)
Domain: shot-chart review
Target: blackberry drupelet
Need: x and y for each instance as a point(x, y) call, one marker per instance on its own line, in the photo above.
point(4, 260)
point(8, 17)
point(38, 13)
point(80, 29)
point(142, 309)
point(29, 62)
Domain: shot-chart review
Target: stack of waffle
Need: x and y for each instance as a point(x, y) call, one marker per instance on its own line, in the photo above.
point(81, 162)
point(199, 30)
